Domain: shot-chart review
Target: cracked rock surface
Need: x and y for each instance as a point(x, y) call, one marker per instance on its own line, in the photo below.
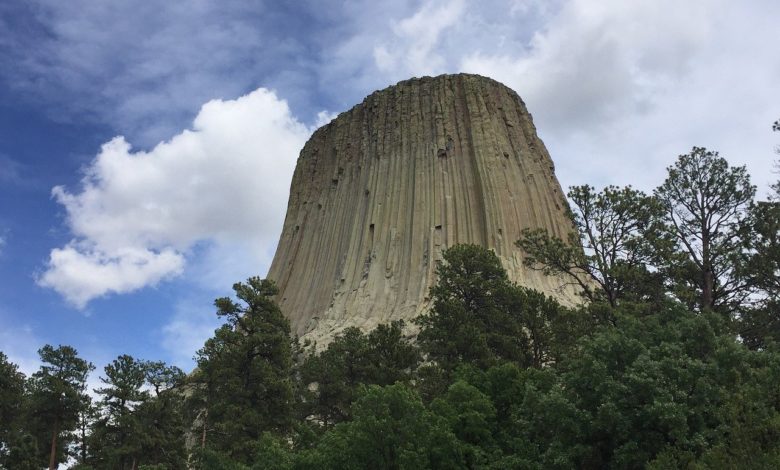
point(379, 192)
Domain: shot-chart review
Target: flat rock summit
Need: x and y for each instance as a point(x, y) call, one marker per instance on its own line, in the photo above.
point(381, 190)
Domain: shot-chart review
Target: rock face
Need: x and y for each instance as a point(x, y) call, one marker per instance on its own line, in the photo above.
point(380, 191)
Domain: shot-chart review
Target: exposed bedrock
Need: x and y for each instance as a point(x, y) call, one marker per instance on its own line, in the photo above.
point(380, 191)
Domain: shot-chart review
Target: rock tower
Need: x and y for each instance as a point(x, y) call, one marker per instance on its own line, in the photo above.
point(380, 191)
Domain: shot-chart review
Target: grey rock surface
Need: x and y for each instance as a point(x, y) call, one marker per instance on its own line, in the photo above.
point(381, 190)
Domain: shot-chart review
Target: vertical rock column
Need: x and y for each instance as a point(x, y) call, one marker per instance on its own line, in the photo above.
point(382, 189)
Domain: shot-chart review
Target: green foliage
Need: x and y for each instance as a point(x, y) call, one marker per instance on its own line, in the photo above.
point(551, 328)
point(273, 454)
point(207, 459)
point(244, 380)
point(542, 426)
point(124, 378)
point(473, 296)
point(136, 427)
point(88, 416)
point(56, 394)
point(617, 235)
point(479, 317)
point(117, 436)
point(705, 203)
point(162, 418)
point(11, 396)
point(760, 323)
point(471, 416)
point(390, 429)
point(332, 378)
point(24, 454)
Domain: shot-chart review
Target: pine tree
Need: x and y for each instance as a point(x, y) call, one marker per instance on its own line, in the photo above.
point(616, 238)
point(244, 372)
point(117, 437)
point(12, 384)
point(56, 395)
point(706, 203)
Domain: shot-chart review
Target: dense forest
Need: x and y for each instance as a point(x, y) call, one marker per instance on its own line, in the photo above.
point(670, 361)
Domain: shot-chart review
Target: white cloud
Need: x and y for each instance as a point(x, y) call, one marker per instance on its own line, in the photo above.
point(81, 273)
point(619, 89)
point(139, 215)
point(595, 61)
point(324, 117)
point(382, 43)
point(414, 46)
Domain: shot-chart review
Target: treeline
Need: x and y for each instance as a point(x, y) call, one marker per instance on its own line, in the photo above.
point(671, 361)
point(49, 418)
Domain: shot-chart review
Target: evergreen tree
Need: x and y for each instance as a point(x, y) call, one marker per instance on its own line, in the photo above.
point(117, 437)
point(551, 328)
point(607, 256)
point(56, 394)
point(12, 383)
point(760, 322)
point(481, 318)
point(89, 413)
point(471, 416)
point(136, 428)
point(472, 297)
point(244, 377)
point(24, 453)
point(391, 429)
point(333, 377)
point(705, 203)
point(161, 417)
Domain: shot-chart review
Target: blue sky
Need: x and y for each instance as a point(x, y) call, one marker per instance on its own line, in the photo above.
point(146, 147)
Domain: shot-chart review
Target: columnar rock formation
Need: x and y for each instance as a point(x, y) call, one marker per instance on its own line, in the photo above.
point(380, 191)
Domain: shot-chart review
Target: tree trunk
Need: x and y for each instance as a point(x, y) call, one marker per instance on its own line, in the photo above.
point(708, 277)
point(706, 264)
point(83, 443)
point(203, 435)
point(53, 455)
point(707, 290)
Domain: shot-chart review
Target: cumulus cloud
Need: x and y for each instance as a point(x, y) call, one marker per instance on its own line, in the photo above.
point(138, 215)
point(619, 89)
point(598, 60)
point(81, 273)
